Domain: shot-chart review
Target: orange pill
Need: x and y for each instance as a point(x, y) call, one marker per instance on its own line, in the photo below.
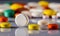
point(3, 19)
point(52, 26)
point(16, 14)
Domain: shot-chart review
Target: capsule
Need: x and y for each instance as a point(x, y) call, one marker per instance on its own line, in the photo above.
point(33, 27)
point(3, 19)
point(5, 25)
point(52, 26)
point(9, 13)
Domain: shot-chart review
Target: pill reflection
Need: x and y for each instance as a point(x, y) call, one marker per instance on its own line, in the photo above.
point(33, 31)
point(5, 29)
point(21, 32)
point(52, 32)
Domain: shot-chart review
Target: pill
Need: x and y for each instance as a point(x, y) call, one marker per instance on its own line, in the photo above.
point(21, 20)
point(5, 25)
point(3, 19)
point(9, 13)
point(52, 26)
point(33, 27)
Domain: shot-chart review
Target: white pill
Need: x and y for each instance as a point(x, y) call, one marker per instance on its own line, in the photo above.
point(55, 6)
point(26, 13)
point(35, 4)
point(42, 22)
point(1, 10)
point(21, 20)
point(4, 6)
point(36, 12)
point(21, 32)
point(58, 14)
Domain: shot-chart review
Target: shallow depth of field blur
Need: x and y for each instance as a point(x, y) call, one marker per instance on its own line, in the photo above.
point(35, 18)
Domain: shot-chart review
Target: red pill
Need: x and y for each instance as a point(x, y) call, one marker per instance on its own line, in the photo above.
point(21, 9)
point(3, 19)
point(52, 26)
point(46, 7)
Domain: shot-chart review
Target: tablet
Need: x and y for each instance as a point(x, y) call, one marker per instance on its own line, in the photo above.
point(42, 22)
point(21, 20)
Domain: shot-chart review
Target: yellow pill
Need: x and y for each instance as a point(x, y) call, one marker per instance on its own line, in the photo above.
point(49, 12)
point(33, 27)
point(15, 6)
point(5, 25)
point(43, 3)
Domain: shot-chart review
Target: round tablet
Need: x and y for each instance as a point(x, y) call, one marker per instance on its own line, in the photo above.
point(3, 19)
point(9, 13)
point(52, 26)
point(5, 25)
point(58, 14)
point(16, 6)
point(4, 6)
point(21, 20)
point(42, 22)
point(54, 5)
point(36, 12)
point(21, 32)
point(33, 4)
point(49, 12)
point(33, 27)
point(26, 13)
point(43, 3)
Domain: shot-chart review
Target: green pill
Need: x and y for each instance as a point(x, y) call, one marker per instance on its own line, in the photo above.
point(9, 13)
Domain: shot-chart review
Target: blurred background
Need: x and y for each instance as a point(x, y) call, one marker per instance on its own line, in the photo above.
point(23, 31)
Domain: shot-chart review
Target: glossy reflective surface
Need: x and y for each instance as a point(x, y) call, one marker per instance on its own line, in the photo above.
point(24, 32)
